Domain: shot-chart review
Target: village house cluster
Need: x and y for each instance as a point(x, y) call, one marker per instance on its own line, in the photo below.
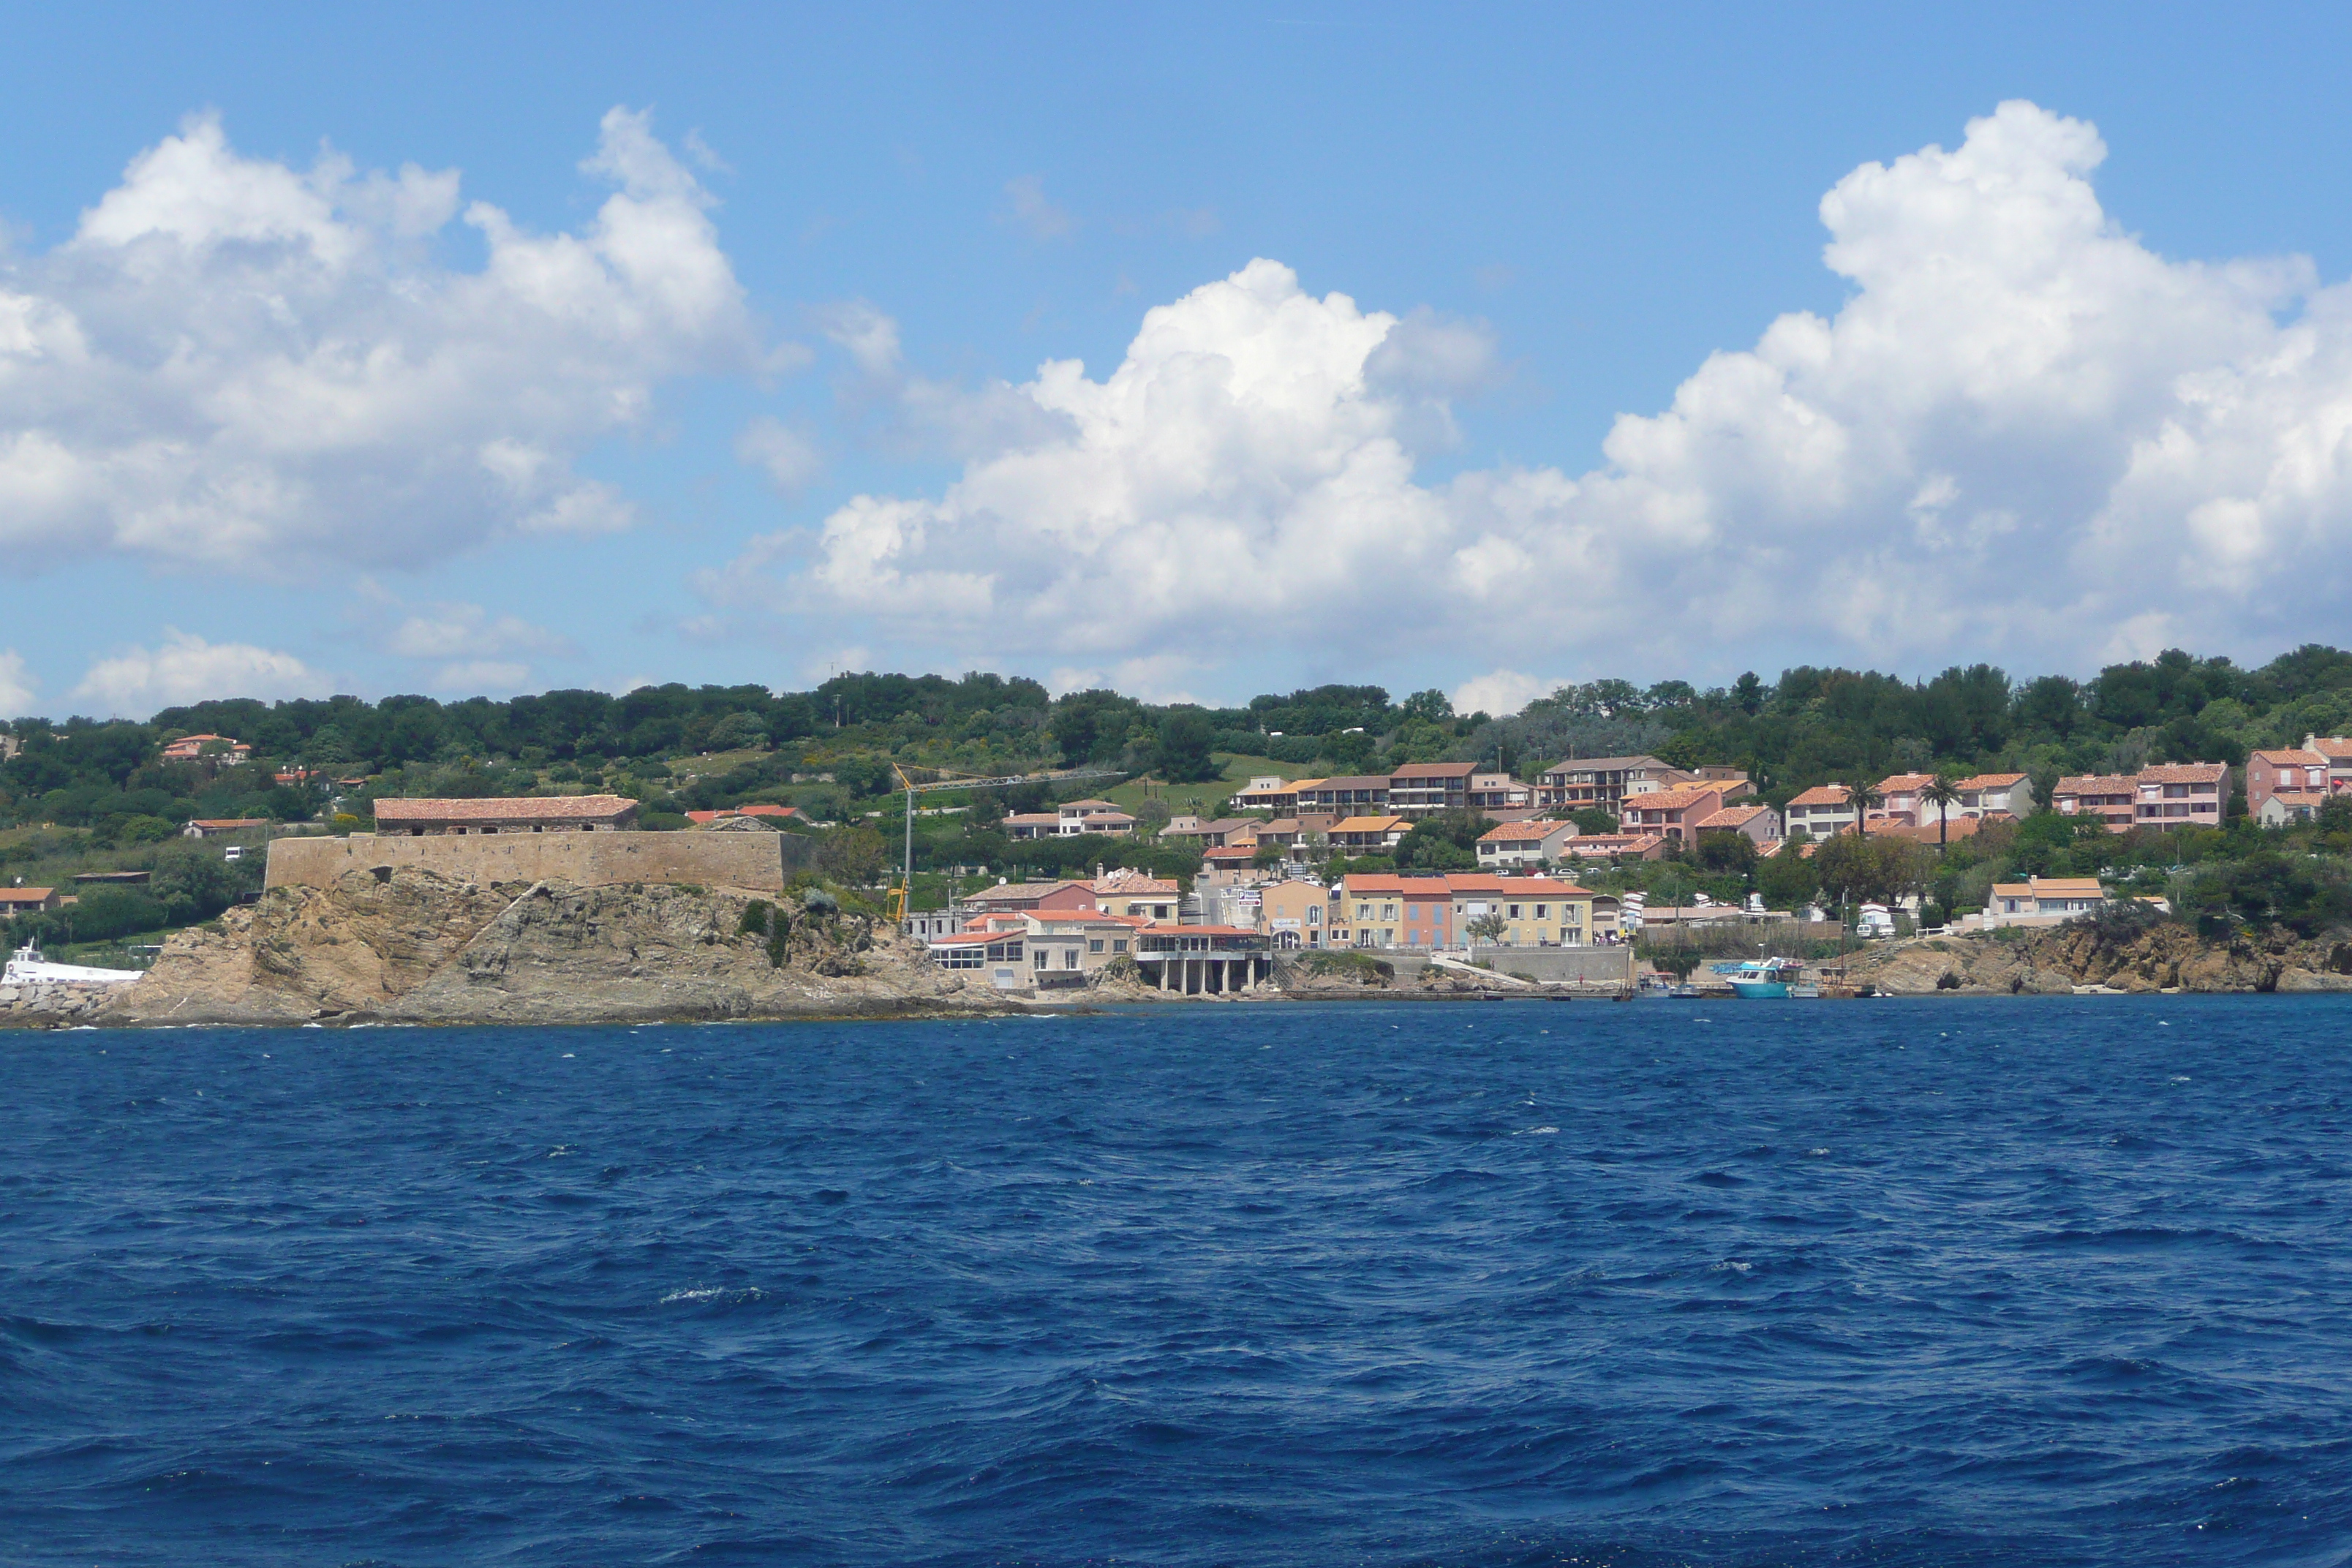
point(1259, 891)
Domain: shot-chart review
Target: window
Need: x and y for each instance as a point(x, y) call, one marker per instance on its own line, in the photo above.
point(1543, 911)
point(1070, 957)
point(1514, 912)
point(1094, 944)
point(960, 958)
point(1119, 945)
point(1037, 959)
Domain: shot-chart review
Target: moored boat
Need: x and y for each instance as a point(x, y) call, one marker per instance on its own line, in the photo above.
point(1766, 979)
point(28, 967)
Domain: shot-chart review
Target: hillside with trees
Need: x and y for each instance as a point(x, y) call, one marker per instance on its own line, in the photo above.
point(80, 792)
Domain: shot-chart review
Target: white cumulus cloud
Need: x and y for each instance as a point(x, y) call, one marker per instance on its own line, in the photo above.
point(2025, 436)
point(186, 669)
point(1500, 693)
point(791, 459)
point(16, 685)
point(235, 364)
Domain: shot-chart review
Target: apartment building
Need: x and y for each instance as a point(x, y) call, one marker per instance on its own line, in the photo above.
point(1427, 912)
point(2042, 900)
point(1368, 835)
point(1520, 844)
point(1295, 914)
point(1581, 782)
point(2337, 749)
point(1499, 796)
point(2167, 796)
point(2108, 797)
point(1351, 795)
point(1822, 810)
point(1758, 824)
point(1421, 789)
point(2298, 774)
point(1985, 794)
point(1671, 814)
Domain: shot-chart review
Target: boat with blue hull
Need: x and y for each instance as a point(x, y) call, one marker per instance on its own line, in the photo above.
point(1767, 979)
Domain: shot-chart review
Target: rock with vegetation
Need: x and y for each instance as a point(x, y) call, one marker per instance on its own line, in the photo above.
point(416, 947)
point(2118, 955)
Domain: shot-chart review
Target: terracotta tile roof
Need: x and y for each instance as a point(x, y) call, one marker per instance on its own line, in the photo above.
point(1612, 843)
point(1436, 770)
point(2336, 748)
point(1009, 892)
point(1524, 831)
point(1603, 765)
point(1904, 784)
point(25, 894)
point(1356, 883)
point(1370, 824)
point(2184, 772)
point(1127, 880)
point(228, 824)
point(770, 811)
point(2293, 758)
point(1821, 794)
point(2096, 783)
point(1990, 781)
point(1733, 816)
point(511, 808)
point(1672, 799)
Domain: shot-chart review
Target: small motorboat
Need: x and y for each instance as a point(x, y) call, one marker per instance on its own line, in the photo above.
point(1764, 979)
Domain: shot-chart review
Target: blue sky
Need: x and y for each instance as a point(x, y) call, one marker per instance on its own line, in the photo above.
point(264, 429)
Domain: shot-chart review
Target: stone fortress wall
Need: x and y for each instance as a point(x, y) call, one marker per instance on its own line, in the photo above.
point(754, 862)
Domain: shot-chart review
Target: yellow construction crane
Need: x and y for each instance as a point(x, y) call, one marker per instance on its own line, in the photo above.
point(895, 906)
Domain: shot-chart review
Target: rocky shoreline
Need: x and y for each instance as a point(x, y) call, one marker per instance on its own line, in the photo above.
point(415, 947)
point(2164, 957)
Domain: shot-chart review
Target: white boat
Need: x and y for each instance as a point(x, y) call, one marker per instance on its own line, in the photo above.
point(28, 967)
point(1765, 978)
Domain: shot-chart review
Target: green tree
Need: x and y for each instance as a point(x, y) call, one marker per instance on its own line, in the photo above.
point(854, 856)
point(1182, 750)
point(1861, 798)
point(1727, 850)
point(1787, 880)
point(1943, 793)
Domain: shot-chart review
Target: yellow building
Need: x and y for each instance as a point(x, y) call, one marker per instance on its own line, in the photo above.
point(1294, 914)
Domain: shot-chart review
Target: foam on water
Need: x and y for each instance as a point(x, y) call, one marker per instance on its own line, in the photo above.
point(1951, 1282)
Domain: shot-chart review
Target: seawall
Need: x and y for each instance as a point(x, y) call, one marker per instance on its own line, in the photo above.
point(754, 862)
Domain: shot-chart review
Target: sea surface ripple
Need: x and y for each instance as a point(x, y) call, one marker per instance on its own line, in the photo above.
point(2026, 1281)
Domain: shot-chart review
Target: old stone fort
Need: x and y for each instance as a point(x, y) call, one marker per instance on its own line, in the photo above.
point(584, 840)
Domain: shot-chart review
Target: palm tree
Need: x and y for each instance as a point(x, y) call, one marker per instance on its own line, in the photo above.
point(1862, 797)
point(1943, 794)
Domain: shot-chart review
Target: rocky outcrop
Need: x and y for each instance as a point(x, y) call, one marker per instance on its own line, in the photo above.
point(412, 946)
point(2164, 956)
point(49, 1006)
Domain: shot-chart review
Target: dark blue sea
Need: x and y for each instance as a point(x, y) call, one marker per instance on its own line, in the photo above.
point(2002, 1282)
